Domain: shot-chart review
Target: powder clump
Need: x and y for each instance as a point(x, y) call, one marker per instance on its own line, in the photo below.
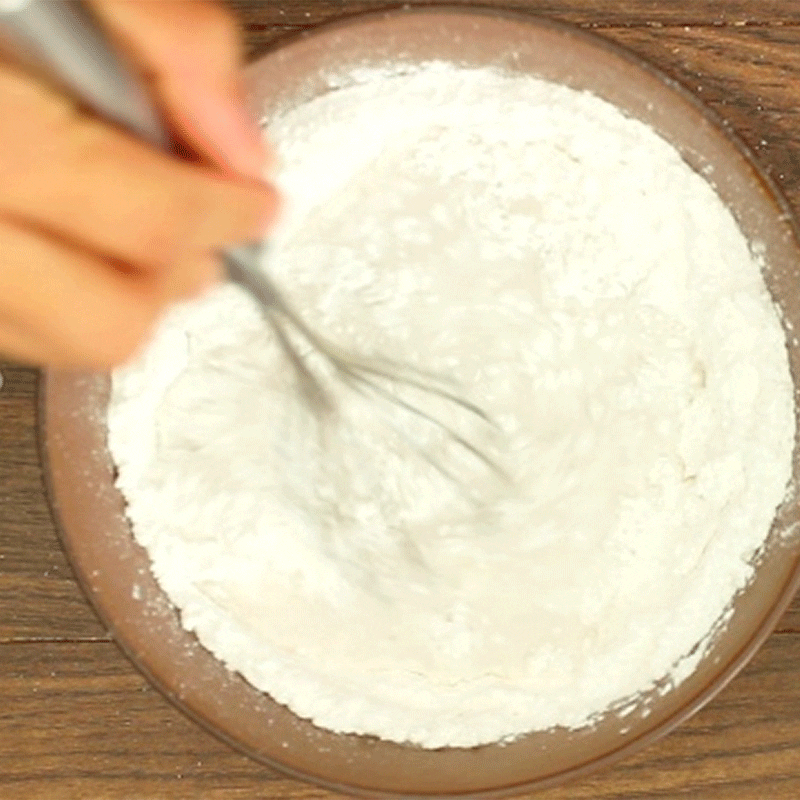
point(594, 296)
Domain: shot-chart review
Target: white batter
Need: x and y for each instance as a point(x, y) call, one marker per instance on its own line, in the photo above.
point(592, 294)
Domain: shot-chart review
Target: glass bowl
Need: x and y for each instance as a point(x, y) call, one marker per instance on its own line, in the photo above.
point(114, 571)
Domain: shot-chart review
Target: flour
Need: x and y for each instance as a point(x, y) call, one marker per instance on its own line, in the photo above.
point(592, 294)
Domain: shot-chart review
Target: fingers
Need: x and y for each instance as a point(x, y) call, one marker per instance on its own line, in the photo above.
point(190, 52)
point(21, 345)
point(86, 182)
point(98, 232)
point(68, 309)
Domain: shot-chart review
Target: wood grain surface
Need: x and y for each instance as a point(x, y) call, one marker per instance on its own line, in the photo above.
point(78, 722)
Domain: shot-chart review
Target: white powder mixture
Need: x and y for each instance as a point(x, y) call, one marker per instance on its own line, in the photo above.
point(590, 292)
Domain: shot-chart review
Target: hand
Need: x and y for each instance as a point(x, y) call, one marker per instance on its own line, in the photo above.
point(99, 233)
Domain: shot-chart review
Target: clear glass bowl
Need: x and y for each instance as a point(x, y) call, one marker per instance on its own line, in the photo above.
point(115, 572)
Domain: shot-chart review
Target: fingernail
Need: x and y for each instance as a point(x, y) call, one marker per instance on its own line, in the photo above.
point(226, 122)
point(239, 95)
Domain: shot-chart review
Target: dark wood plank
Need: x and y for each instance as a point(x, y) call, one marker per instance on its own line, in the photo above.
point(77, 721)
point(38, 595)
point(592, 13)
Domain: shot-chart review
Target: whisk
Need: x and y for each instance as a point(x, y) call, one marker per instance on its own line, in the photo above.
point(358, 372)
point(63, 43)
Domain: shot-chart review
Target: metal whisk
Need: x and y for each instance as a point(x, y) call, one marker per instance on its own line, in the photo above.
point(357, 372)
point(63, 43)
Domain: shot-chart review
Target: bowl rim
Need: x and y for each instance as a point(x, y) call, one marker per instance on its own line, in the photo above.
point(746, 652)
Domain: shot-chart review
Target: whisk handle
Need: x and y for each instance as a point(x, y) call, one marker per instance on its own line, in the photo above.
point(63, 44)
point(241, 264)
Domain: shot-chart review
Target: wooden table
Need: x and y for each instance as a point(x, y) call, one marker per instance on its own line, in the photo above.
point(77, 721)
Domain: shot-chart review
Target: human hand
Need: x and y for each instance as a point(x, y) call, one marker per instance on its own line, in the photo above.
point(99, 232)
